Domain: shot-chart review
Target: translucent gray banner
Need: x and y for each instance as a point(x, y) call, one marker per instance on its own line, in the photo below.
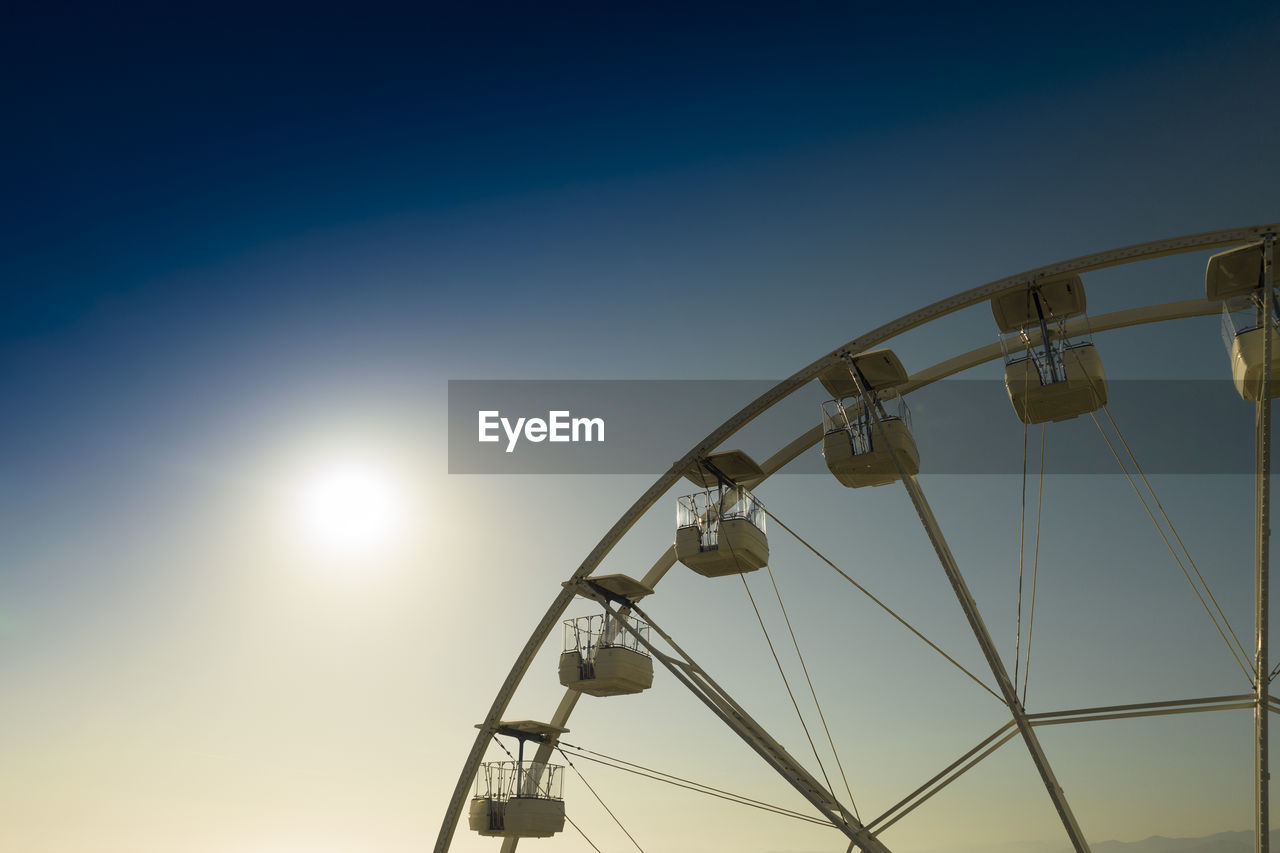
point(960, 426)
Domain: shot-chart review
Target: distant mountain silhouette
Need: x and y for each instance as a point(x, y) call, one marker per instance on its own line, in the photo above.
point(1222, 842)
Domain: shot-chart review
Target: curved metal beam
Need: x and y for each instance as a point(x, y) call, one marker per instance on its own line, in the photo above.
point(965, 361)
point(1087, 263)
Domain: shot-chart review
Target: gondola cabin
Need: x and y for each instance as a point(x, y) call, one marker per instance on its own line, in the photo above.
point(867, 424)
point(1234, 277)
point(1049, 375)
point(721, 529)
point(603, 655)
point(519, 799)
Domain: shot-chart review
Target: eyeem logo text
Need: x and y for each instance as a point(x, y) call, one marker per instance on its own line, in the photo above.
point(559, 426)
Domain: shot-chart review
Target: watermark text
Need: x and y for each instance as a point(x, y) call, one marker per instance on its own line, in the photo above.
point(558, 426)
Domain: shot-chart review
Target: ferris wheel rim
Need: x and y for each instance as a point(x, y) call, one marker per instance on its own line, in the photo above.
point(783, 389)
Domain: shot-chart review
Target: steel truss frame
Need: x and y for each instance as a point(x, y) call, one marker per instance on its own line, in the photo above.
point(1261, 701)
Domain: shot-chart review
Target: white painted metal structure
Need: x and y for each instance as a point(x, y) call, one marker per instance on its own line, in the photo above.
point(518, 798)
point(720, 531)
point(863, 442)
point(685, 670)
point(601, 659)
point(1052, 378)
point(1237, 278)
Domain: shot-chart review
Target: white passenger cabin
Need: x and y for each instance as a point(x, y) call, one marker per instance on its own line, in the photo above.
point(604, 657)
point(862, 433)
point(1235, 278)
point(721, 530)
point(1049, 376)
point(519, 799)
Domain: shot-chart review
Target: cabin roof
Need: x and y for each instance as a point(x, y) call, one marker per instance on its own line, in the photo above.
point(527, 729)
point(882, 369)
point(624, 586)
point(1060, 298)
point(1235, 272)
point(734, 464)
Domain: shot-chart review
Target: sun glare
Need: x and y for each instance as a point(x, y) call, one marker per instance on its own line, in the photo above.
point(350, 509)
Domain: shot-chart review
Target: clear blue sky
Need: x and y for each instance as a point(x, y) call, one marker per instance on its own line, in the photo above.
point(240, 240)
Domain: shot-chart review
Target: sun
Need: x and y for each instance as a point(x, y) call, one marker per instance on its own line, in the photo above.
point(350, 508)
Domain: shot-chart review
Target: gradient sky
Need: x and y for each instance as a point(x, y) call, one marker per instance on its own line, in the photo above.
point(242, 241)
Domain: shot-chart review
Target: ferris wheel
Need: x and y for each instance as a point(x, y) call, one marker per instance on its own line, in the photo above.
point(1052, 373)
